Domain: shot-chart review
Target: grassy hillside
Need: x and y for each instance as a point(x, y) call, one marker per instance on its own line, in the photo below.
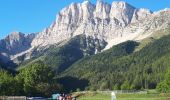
point(156, 35)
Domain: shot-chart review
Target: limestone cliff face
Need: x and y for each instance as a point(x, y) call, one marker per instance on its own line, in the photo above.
point(102, 10)
point(117, 22)
point(86, 18)
point(15, 43)
point(122, 12)
point(113, 23)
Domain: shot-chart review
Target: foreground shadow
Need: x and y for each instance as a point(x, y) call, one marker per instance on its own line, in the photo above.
point(72, 83)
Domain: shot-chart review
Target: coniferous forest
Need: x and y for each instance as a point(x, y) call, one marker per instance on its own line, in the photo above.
point(74, 67)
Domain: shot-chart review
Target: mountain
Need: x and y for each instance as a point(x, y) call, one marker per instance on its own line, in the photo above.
point(13, 44)
point(60, 58)
point(96, 47)
point(113, 24)
point(121, 67)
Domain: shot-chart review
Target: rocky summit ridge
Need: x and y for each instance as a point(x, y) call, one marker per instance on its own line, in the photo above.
point(113, 23)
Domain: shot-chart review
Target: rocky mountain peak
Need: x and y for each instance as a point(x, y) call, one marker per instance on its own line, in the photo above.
point(102, 21)
point(86, 2)
point(122, 11)
point(102, 10)
point(87, 9)
point(15, 43)
point(15, 36)
point(162, 11)
point(113, 23)
point(120, 4)
point(141, 14)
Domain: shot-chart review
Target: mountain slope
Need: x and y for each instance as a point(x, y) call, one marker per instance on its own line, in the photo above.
point(116, 67)
point(157, 35)
point(114, 24)
point(60, 58)
point(97, 47)
point(13, 44)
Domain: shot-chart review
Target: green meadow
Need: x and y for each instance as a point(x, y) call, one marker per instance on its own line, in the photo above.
point(148, 96)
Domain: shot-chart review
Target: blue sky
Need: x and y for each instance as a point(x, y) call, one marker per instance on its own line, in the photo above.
point(34, 15)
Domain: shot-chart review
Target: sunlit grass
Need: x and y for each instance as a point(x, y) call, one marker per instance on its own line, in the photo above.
point(99, 96)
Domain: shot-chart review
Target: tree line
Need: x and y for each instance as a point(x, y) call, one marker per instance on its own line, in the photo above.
point(36, 79)
point(123, 68)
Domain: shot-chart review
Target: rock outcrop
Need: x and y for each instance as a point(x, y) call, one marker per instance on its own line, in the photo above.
point(15, 43)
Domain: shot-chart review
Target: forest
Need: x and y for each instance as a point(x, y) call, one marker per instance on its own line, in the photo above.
point(74, 67)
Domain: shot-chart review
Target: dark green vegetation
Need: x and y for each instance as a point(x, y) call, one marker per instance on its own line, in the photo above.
point(7, 84)
point(164, 86)
point(78, 47)
point(121, 68)
point(93, 69)
point(35, 80)
point(60, 58)
point(1, 65)
point(75, 67)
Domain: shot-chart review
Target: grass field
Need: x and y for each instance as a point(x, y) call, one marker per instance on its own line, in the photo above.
point(98, 96)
